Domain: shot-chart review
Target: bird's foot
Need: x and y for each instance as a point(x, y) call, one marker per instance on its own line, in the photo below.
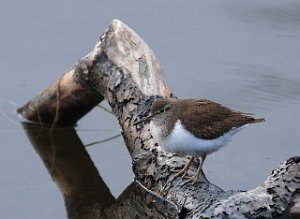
point(199, 173)
point(181, 172)
point(194, 178)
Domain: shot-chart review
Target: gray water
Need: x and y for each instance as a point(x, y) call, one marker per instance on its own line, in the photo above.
point(244, 54)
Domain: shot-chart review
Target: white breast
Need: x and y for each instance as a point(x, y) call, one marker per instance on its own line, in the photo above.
point(182, 142)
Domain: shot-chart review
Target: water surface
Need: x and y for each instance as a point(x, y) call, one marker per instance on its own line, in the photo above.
point(242, 54)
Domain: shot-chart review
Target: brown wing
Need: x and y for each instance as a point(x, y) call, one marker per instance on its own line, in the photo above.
point(210, 119)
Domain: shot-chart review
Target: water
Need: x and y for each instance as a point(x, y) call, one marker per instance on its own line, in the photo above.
point(242, 54)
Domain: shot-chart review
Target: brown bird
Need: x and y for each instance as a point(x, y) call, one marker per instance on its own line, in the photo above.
point(195, 127)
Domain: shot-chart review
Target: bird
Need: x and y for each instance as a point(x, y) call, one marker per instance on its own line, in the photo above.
point(194, 127)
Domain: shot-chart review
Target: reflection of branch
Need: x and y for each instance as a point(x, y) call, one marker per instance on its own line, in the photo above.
point(102, 141)
point(71, 168)
point(104, 108)
point(85, 193)
point(137, 202)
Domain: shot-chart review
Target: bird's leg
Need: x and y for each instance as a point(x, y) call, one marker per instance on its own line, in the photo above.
point(194, 178)
point(184, 170)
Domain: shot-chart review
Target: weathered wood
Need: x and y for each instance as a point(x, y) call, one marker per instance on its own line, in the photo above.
point(125, 71)
point(122, 88)
point(65, 101)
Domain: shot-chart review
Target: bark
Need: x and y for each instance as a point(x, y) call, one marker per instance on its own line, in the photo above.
point(124, 70)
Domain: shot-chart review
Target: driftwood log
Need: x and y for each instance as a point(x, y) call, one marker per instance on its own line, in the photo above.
point(123, 70)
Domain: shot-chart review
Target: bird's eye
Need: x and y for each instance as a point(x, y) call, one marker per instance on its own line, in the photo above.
point(162, 111)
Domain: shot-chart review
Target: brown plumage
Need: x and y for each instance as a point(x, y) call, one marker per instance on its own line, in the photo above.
point(204, 118)
point(194, 127)
point(210, 119)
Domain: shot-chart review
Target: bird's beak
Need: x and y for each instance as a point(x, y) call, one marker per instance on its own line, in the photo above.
point(146, 119)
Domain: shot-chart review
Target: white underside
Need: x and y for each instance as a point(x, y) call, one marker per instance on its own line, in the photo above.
point(181, 141)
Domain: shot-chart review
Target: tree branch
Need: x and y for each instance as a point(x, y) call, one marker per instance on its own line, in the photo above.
point(65, 101)
point(125, 71)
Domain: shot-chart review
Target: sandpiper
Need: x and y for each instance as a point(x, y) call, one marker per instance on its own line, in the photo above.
point(195, 127)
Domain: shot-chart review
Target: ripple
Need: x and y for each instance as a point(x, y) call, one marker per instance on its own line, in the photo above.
point(264, 87)
point(8, 111)
point(282, 16)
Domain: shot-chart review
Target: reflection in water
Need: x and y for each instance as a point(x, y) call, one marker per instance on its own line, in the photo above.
point(102, 141)
point(8, 111)
point(70, 167)
point(85, 193)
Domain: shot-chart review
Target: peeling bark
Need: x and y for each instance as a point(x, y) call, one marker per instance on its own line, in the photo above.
point(125, 71)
